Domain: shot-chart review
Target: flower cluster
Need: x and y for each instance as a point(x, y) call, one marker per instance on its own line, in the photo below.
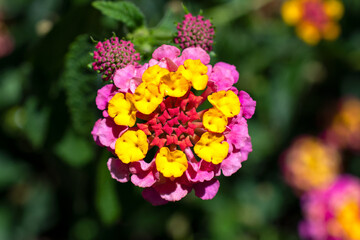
point(163, 141)
point(194, 31)
point(314, 19)
point(310, 164)
point(112, 55)
point(344, 131)
point(333, 213)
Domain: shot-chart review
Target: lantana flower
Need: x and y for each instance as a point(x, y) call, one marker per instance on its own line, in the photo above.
point(163, 137)
point(195, 31)
point(314, 19)
point(344, 131)
point(310, 164)
point(332, 213)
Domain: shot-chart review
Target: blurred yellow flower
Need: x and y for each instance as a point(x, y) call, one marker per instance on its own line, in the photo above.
point(313, 19)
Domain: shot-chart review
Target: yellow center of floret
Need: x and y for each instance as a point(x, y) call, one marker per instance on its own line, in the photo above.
point(215, 121)
point(211, 148)
point(122, 110)
point(171, 163)
point(226, 102)
point(132, 146)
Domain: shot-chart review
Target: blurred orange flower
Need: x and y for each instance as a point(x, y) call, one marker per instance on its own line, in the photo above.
point(310, 164)
point(344, 131)
point(314, 19)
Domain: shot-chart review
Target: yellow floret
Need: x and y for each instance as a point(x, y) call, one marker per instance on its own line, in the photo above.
point(174, 85)
point(226, 102)
point(291, 12)
point(132, 146)
point(147, 97)
point(308, 33)
point(331, 31)
point(334, 9)
point(171, 164)
point(195, 72)
point(215, 121)
point(348, 217)
point(154, 74)
point(122, 110)
point(211, 148)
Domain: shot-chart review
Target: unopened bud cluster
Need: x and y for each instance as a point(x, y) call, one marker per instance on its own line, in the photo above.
point(113, 54)
point(194, 31)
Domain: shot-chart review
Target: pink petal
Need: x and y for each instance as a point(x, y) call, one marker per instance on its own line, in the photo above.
point(152, 196)
point(238, 134)
point(143, 174)
point(231, 68)
point(246, 149)
point(105, 114)
point(247, 105)
point(198, 171)
point(105, 131)
point(224, 76)
point(123, 76)
point(231, 164)
point(207, 190)
point(194, 53)
point(118, 170)
point(134, 83)
point(172, 190)
point(95, 131)
point(235, 90)
point(104, 95)
point(166, 51)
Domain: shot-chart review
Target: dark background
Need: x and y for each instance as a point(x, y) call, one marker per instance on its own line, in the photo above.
point(54, 182)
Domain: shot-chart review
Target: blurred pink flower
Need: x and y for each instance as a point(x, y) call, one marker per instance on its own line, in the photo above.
point(6, 41)
point(332, 213)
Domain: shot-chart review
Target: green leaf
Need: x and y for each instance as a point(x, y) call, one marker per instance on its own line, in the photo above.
point(11, 171)
point(125, 12)
point(80, 85)
point(107, 202)
point(75, 150)
point(11, 85)
point(185, 8)
point(36, 122)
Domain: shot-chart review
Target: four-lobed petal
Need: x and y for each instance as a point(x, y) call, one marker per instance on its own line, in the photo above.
point(132, 146)
point(226, 102)
point(171, 163)
point(195, 72)
point(215, 121)
point(211, 148)
point(122, 109)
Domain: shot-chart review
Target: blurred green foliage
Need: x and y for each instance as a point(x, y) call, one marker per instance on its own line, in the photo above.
point(54, 183)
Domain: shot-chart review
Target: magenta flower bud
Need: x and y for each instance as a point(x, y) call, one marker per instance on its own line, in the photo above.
point(113, 54)
point(197, 32)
